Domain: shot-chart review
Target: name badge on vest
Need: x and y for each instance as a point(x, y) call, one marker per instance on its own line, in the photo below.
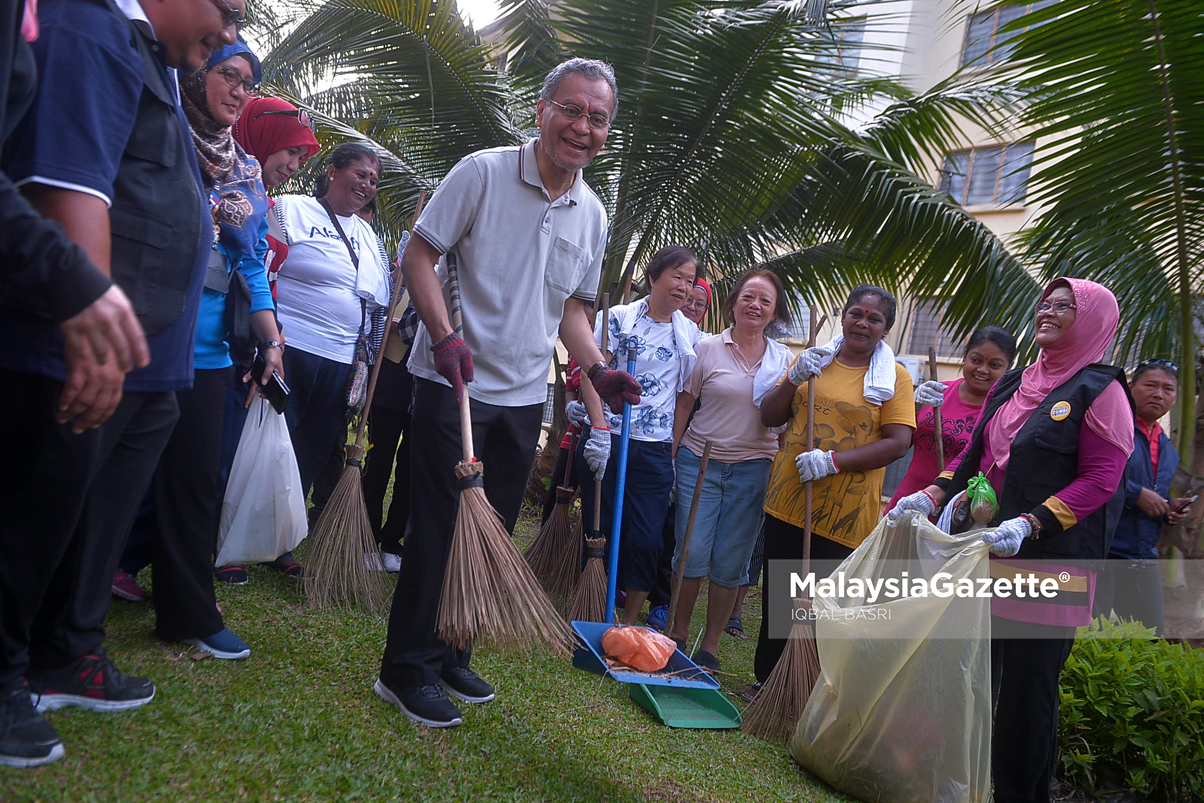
point(217, 277)
point(1060, 411)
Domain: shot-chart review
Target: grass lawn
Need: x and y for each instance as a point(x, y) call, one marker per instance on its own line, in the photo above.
point(298, 722)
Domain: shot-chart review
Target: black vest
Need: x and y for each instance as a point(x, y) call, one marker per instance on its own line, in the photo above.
point(1044, 460)
point(155, 218)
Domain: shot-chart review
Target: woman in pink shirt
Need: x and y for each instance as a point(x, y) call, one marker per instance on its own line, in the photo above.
point(987, 356)
point(731, 366)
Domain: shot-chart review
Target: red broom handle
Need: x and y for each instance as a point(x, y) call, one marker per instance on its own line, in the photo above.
point(938, 437)
point(384, 340)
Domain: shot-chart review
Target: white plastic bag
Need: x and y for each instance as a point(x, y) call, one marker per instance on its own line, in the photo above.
point(902, 709)
point(263, 512)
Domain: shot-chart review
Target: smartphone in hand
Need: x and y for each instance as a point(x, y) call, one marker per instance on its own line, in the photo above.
point(276, 391)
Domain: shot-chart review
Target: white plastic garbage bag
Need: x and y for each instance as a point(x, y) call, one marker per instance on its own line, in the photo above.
point(263, 512)
point(902, 709)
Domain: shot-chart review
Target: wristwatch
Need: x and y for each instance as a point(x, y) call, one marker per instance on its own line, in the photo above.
point(267, 344)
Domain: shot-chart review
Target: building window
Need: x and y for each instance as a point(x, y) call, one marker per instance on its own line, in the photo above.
point(800, 317)
point(927, 331)
point(848, 37)
point(985, 44)
point(549, 404)
point(997, 174)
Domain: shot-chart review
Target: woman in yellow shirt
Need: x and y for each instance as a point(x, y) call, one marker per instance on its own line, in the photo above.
point(864, 419)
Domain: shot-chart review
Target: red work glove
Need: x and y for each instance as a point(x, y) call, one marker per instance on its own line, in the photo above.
point(453, 362)
point(615, 387)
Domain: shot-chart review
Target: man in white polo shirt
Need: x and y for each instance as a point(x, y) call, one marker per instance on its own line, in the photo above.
point(528, 237)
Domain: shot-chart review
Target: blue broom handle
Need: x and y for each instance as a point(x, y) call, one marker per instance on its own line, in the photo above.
point(612, 568)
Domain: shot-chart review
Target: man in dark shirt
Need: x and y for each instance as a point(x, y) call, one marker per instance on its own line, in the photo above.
point(105, 151)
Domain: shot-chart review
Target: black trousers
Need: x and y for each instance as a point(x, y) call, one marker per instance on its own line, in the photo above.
point(784, 541)
point(328, 478)
point(316, 412)
point(1133, 589)
point(70, 621)
point(178, 535)
point(390, 430)
point(1026, 661)
point(505, 439)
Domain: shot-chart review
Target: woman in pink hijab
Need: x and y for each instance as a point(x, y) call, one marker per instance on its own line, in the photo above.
point(1053, 440)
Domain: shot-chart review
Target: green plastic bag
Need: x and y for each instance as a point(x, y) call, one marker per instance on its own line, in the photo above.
point(983, 502)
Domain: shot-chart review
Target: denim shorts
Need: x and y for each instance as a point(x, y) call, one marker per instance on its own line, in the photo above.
point(728, 518)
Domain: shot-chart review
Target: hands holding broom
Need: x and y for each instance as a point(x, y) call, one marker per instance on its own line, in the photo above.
point(614, 386)
point(453, 362)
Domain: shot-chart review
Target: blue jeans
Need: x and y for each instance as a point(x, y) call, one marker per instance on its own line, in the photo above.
point(728, 518)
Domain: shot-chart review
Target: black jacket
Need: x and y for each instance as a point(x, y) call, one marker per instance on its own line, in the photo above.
point(40, 269)
point(1043, 461)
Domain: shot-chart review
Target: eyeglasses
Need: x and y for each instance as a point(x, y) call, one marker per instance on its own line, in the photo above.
point(234, 78)
point(230, 15)
point(692, 304)
point(597, 121)
point(1059, 308)
point(300, 114)
point(1166, 364)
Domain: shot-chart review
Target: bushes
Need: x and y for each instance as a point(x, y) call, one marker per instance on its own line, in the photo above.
point(1132, 714)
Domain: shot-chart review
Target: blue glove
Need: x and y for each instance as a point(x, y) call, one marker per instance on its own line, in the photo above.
point(918, 502)
point(1005, 539)
point(815, 465)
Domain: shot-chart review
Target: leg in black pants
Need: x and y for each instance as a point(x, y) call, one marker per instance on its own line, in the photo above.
point(1026, 662)
point(71, 621)
point(505, 439)
point(44, 480)
point(387, 425)
point(187, 494)
point(784, 541)
point(316, 410)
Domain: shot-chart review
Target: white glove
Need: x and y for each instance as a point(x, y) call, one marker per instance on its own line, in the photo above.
point(1005, 539)
point(597, 451)
point(815, 465)
point(930, 393)
point(919, 502)
point(810, 363)
point(575, 411)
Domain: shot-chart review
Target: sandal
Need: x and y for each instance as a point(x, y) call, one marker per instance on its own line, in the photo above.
point(288, 565)
point(706, 661)
point(735, 628)
point(752, 692)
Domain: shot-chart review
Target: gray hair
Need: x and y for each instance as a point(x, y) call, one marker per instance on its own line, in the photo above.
point(590, 68)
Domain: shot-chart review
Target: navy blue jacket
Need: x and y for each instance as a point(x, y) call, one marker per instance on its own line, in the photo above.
point(1137, 534)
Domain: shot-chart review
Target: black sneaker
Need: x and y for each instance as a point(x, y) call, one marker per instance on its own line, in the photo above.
point(464, 684)
point(26, 740)
point(426, 705)
point(91, 682)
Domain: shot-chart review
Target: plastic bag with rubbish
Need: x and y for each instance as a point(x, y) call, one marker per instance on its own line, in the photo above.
point(902, 710)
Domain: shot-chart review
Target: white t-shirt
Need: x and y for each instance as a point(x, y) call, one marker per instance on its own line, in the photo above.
point(520, 255)
point(318, 289)
point(657, 369)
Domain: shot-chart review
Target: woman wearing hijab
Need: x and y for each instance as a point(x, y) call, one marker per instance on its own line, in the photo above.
point(1053, 439)
point(187, 486)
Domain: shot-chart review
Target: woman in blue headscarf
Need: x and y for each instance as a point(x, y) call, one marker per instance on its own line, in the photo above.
point(179, 537)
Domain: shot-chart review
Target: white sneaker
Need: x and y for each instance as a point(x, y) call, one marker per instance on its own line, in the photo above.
point(383, 562)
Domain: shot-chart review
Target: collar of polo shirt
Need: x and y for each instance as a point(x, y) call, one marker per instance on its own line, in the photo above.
point(528, 171)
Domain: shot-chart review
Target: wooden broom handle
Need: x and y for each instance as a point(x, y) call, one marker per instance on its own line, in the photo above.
point(938, 437)
point(598, 480)
point(384, 340)
point(813, 324)
point(457, 321)
point(688, 535)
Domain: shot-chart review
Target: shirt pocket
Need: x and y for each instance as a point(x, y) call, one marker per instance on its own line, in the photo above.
point(566, 267)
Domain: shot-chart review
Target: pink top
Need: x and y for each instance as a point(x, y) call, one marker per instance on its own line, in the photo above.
point(957, 427)
point(723, 381)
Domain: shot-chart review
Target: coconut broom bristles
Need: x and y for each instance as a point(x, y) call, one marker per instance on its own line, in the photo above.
point(488, 589)
point(776, 711)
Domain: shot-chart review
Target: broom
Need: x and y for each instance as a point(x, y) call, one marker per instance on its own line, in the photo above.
point(566, 560)
point(589, 598)
point(343, 549)
point(488, 589)
point(545, 554)
point(776, 711)
point(938, 437)
point(675, 590)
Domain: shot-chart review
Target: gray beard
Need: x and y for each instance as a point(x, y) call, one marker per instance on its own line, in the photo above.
point(554, 159)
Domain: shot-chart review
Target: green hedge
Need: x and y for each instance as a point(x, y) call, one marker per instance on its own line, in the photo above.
point(1132, 714)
